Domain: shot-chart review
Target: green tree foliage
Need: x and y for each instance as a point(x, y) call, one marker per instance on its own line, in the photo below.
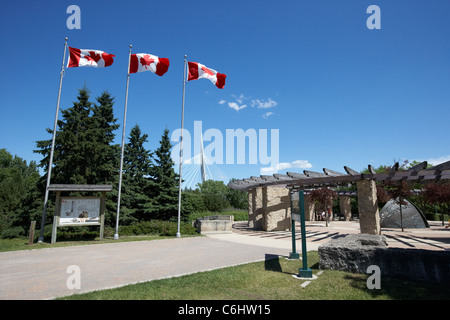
point(236, 198)
point(105, 153)
point(192, 201)
point(19, 196)
point(165, 195)
point(83, 152)
point(214, 194)
point(138, 185)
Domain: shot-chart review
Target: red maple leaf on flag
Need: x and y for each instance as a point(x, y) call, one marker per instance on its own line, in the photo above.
point(146, 60)
point(88, 58)
point(93, 56)
point(207, 71)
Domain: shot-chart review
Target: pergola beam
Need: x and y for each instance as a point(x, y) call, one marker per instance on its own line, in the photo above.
point(418, 173)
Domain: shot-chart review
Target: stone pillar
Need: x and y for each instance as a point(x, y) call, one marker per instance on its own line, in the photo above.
point(346, 208)
point(258, 209)
point(251, 208)
point(277, 209)
point(309, 209)
point(369, 217)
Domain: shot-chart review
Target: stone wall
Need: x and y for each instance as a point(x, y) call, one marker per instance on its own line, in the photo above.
point(214, 224)
point(355, 253)
point(269, 209)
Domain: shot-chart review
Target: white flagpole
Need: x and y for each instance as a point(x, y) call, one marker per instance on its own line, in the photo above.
point(181, 148)
point(49, 171)
point(116, 235)
point(202, 159)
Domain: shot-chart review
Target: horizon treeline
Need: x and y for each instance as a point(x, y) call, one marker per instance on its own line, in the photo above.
point(84, 153)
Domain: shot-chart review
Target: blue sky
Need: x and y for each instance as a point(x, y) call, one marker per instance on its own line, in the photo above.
point(338, 92)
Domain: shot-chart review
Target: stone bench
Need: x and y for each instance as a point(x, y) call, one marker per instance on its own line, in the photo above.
point(214, 224)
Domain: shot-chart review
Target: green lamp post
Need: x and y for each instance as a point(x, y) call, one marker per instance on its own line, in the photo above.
point(304, 272)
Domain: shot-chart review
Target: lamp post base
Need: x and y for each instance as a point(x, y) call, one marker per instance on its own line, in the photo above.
point(305, 273)
point(294, 255)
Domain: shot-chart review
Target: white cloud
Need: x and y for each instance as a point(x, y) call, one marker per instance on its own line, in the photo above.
point(302, 164)
point(240, 102)
point(436, 161)
point(261, 104)
point(240, 99)
point(235, 106)
point(267, 114)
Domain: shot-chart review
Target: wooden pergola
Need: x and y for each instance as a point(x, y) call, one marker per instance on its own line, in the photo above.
point(260, 190)
point(311, 179)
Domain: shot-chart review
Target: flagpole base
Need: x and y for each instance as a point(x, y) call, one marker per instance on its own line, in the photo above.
point(178, 235)
point(116, 236)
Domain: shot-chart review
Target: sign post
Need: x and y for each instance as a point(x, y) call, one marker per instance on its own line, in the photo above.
point(31, 233)
point(79, 211)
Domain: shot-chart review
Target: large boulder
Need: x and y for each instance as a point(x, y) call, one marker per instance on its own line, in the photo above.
point(354, 252)
point(357, 252)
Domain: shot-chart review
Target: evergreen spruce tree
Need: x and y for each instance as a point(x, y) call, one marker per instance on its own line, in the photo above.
point(105, 166)
point(165, 198)
point(138, 185)
point(73, 151)
point(105, 154)
point(83, 151)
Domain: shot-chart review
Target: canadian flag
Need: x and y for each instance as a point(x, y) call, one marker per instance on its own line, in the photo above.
point(140, 62)
point(89, 58)
point(198, 71)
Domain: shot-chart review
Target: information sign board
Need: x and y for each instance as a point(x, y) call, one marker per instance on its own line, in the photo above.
point(79, 211)
point(296, 217)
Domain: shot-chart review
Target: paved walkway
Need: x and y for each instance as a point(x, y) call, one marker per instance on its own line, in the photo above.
point(437, 237)
point(42, 273)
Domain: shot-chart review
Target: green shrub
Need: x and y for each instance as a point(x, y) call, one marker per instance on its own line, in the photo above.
point(13, 232)
point(71, 233)
point(161, 227)
point(436, 217)
point(239, 215)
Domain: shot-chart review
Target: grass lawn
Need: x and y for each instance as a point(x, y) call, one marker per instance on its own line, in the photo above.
point(272, 280)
